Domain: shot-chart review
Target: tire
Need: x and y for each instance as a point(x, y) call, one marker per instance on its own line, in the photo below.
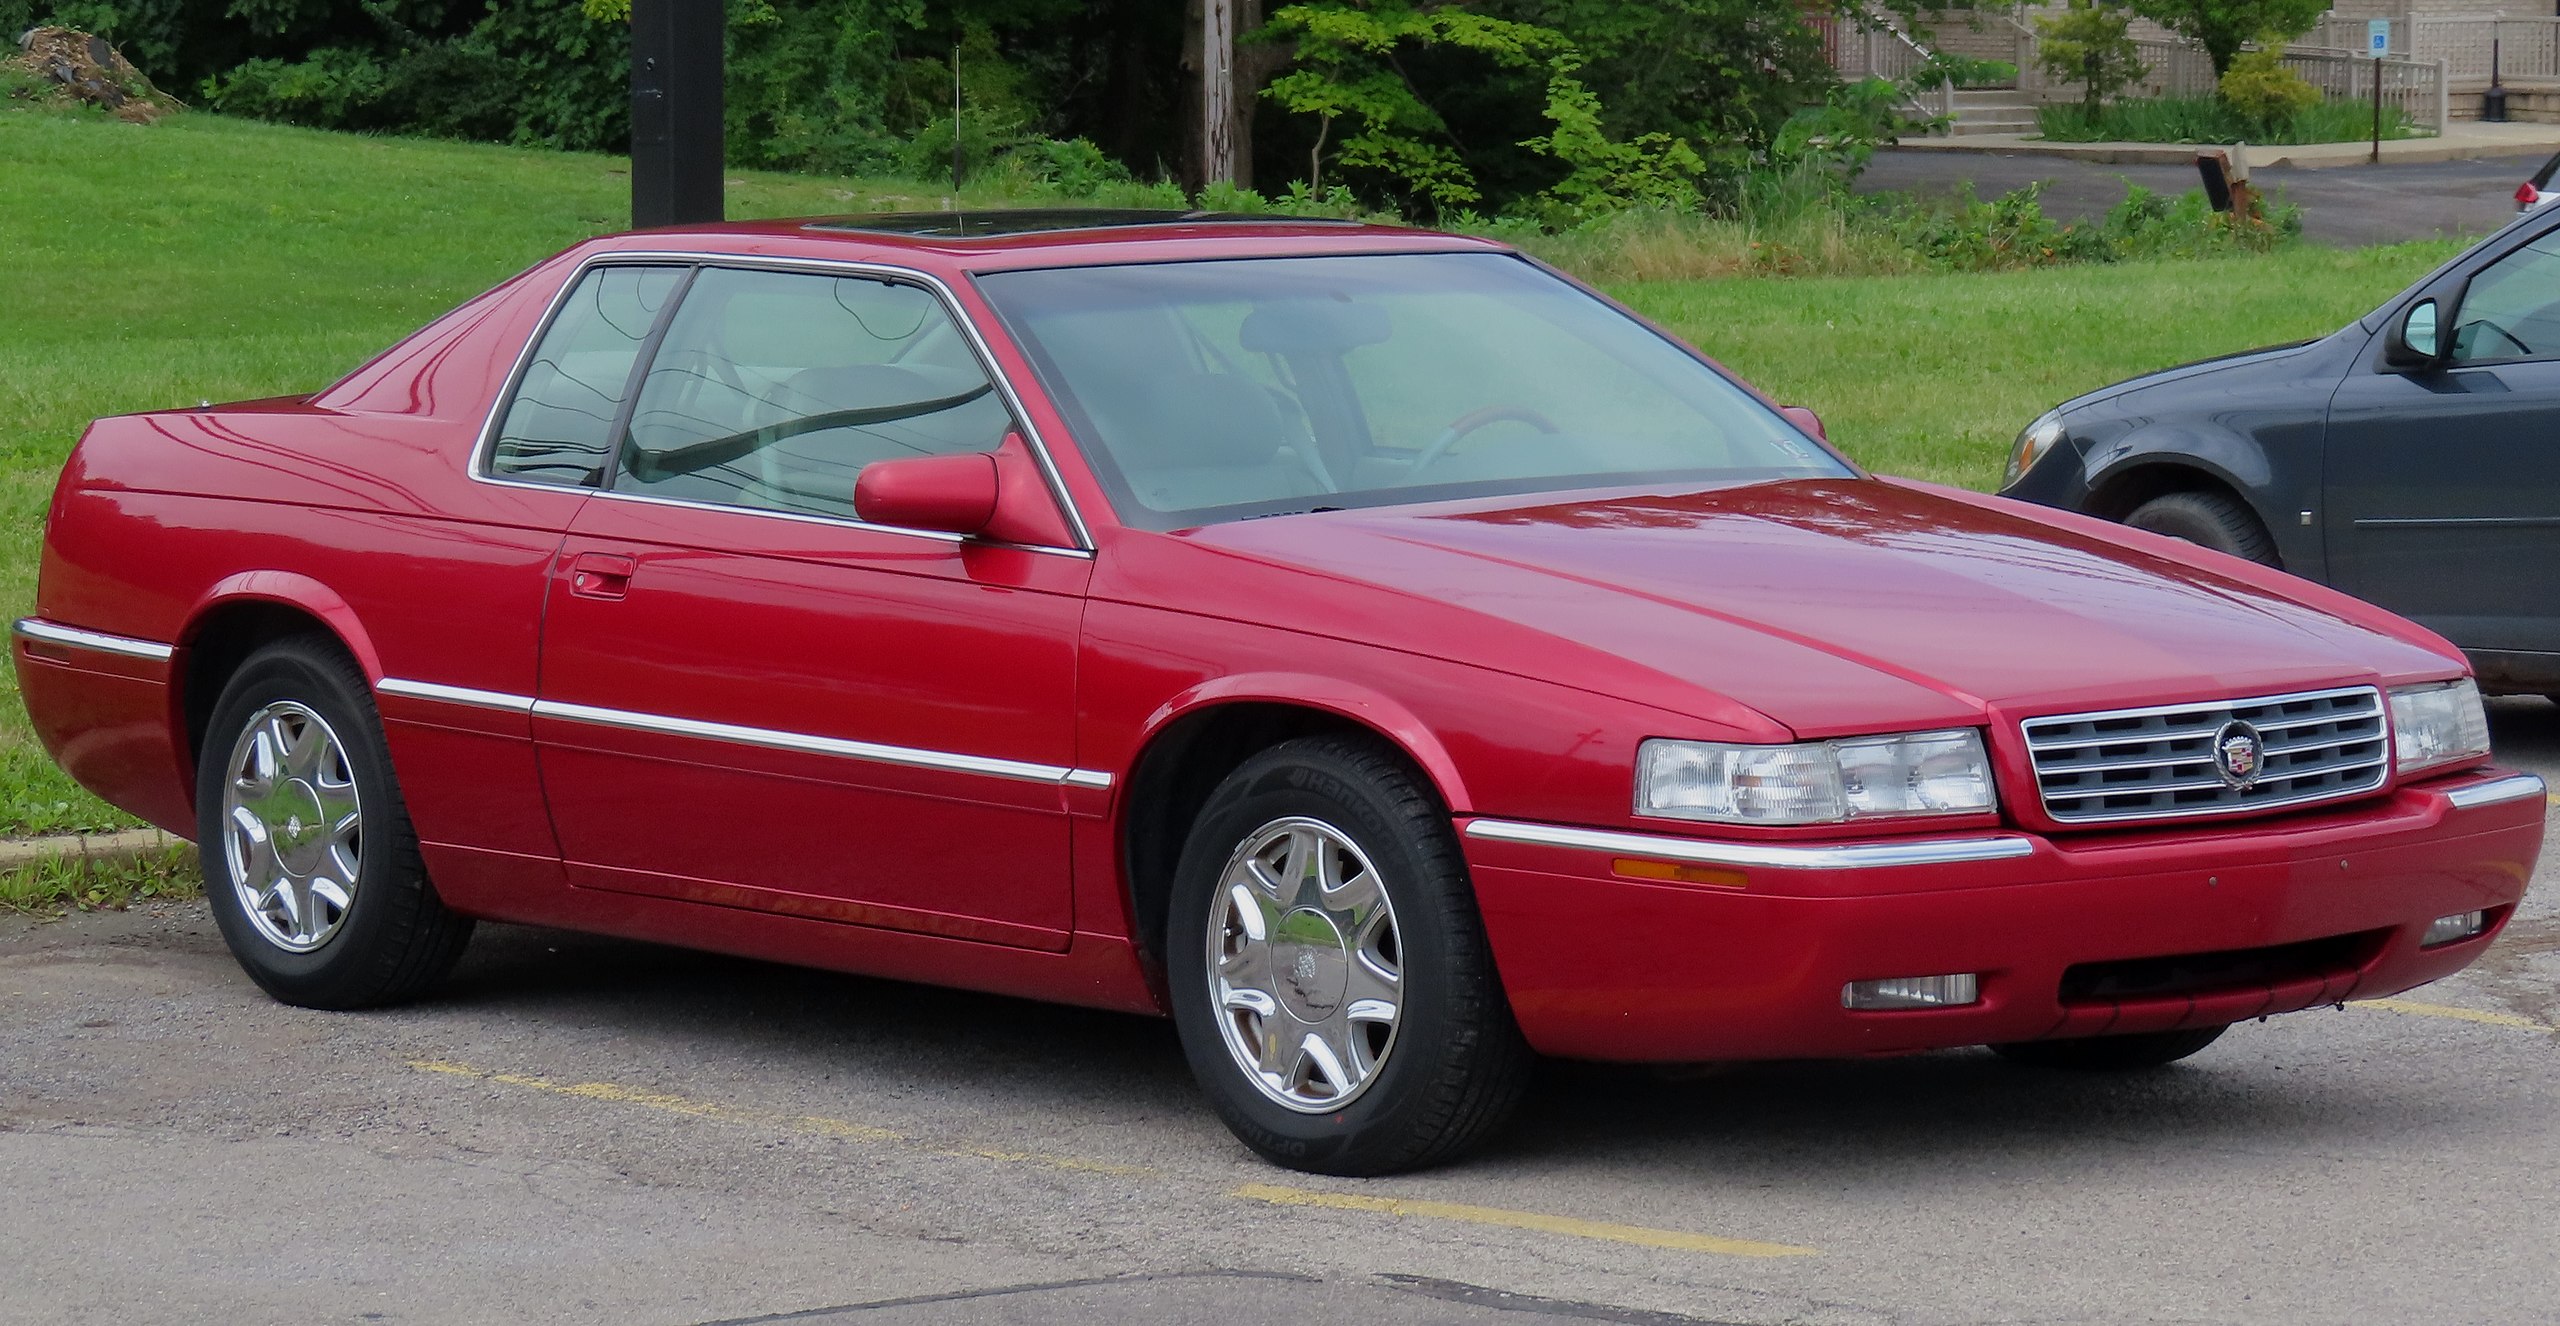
point(309, 860)
point(1378, 1035)
point(2210, 520)
point(2112, 1054)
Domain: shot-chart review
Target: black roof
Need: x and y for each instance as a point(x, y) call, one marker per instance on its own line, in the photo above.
point(1035, 220)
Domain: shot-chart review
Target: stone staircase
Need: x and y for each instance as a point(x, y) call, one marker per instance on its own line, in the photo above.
point(1993, 111)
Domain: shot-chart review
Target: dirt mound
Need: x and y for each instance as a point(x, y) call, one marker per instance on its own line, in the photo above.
point(65, 67)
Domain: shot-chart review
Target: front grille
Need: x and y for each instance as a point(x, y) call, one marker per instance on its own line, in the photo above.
point(2139, 764)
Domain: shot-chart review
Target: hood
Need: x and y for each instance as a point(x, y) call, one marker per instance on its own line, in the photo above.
point(1837, 605)
point(2230, 363)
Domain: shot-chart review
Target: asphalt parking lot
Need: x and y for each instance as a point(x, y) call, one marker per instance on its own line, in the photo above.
point(583, 1130)
point(2344, 205)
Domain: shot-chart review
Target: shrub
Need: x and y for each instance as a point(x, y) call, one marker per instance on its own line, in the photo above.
point(2262, 89)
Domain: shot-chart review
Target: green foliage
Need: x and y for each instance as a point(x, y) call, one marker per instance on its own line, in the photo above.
point(2261, 89)
point(1963, 71)
point(2210, 120)
point(2090, 43)
point(1351, 74)
point(2222, 27)
point(2014, 231)
point(1707, 71)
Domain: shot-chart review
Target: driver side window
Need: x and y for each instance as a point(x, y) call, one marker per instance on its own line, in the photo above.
point(773, 389)
point(2512, 310)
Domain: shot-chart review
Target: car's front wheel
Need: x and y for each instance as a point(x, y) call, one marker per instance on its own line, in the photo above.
point(1331, 981)
point(2112, 1054)
point(309, 860)
point(2209, 520)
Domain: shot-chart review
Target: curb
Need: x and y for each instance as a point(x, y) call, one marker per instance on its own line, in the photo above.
point(127, 845)
point(2306, 156)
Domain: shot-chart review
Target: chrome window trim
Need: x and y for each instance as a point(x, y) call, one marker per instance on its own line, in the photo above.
point(837, 522)
point(54, 633)
point(1780, 856)
point(478, 469)
point(461, 695)
point(2513, 787)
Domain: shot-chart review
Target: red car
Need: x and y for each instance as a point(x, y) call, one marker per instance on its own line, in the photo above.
point(1372, 649)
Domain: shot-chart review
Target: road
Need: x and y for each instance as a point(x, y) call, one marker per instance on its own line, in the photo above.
point(2344, 205)
point(583, 1130)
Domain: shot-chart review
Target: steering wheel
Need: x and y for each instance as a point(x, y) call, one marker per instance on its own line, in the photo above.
point(2484, 325)
point(1473, 420)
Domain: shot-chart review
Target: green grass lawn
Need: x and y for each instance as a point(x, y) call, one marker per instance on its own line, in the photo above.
point(211, 259)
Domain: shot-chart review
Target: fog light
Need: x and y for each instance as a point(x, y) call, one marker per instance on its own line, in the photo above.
point(1913, 992)
point(2447, 929)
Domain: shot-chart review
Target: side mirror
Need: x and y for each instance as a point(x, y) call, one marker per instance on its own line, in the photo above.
point(952, 494)
point(1804, 419)
point(2416, 342)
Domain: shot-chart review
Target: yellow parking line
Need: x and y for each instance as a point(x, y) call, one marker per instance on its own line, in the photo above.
point(819, 1125)
point(798, 1123)
point(1640, 1235)
point(2416, 1009)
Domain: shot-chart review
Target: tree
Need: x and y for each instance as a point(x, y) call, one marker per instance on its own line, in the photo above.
point(2088, 43)
point(2222, 27)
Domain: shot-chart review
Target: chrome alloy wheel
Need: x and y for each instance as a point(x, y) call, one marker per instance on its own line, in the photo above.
point(1305, 968)
point(293, 826)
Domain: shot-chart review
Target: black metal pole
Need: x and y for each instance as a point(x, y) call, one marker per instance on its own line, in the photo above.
point(676, 137)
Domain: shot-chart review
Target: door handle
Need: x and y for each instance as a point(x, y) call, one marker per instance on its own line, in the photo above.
point(600, 575)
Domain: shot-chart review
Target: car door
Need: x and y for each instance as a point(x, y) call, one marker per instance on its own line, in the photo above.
point(751, 698)
point(2442, 484)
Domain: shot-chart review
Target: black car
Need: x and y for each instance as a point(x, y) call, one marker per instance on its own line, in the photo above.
point(2411, 458)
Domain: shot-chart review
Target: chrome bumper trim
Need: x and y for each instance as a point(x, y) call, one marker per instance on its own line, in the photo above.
point(2513, 787)
point(72, 637)
point(1780, 856)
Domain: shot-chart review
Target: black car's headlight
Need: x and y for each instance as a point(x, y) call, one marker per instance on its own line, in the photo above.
point(2031, 445)
point(1815, 782)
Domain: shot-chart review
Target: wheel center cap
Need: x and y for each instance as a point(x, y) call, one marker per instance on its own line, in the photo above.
point(1314, 964)
point(297, 836)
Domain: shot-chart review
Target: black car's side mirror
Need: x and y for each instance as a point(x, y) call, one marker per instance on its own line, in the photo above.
point(2416, 343)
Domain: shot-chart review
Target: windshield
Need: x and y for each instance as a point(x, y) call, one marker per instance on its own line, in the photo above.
point(1209, 391)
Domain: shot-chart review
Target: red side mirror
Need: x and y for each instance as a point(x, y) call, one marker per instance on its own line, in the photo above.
point(953, 494)
point(1804, 419)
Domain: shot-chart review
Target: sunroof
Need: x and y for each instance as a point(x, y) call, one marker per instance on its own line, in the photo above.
point(1029, 221)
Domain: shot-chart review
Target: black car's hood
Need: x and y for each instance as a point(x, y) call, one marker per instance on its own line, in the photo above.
point(2244, 359)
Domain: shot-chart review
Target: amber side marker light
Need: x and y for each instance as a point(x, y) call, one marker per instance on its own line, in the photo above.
point(1680, 872)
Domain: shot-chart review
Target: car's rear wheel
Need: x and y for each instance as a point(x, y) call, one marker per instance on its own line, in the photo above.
point(2211, 520)
point(309, 860)
point(2112, 1054)
point(1331, 981)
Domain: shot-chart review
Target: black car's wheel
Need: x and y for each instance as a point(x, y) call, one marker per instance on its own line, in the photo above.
point(309, 861)
point(2211, 520)
point(2112, 1054)
point(1330, 976)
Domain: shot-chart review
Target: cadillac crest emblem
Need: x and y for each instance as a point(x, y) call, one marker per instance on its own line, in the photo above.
point(2239, 755)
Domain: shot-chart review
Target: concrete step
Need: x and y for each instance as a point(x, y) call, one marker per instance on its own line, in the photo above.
point(1966, 125)
point(1987, 96)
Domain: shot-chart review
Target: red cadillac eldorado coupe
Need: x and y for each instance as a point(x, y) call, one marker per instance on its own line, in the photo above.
point(1372, 649)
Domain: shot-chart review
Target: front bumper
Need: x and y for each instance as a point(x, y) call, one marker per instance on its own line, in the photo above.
point(1601, 963)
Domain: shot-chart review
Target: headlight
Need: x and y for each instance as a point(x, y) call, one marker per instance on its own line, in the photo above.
point(1815, 782)
point(2031, 445)
point(2438, 723)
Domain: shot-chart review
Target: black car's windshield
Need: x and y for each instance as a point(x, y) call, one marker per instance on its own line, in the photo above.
point(1218, 390)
